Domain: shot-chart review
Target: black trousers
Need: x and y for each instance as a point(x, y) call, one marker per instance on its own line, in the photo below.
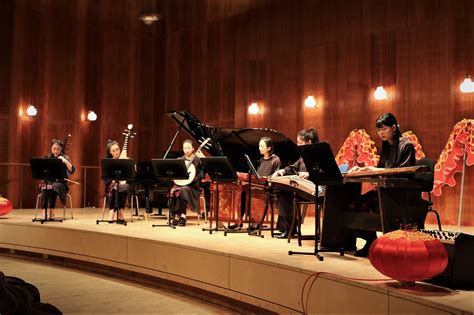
point(178, 206)
point(122, 200)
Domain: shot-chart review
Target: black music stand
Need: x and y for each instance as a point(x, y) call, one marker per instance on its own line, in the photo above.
point(250, 231)
point(323, 170)
point(219, 170)
point(118, 170)
point(168, 170)
point(47, 169)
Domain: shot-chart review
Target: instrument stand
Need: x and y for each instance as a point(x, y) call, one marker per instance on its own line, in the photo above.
point(47, 169)
point(118, 170)
point(169, 170)
point(248, 212)
point(323, 170)
point(219, 170)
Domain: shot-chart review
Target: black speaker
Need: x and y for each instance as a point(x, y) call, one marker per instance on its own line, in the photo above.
point(460, 247)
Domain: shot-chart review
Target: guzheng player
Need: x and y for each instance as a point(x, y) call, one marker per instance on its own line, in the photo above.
point(396, 152)
point(285, 198)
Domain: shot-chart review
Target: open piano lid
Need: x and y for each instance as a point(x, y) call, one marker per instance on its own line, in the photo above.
point(235, 142)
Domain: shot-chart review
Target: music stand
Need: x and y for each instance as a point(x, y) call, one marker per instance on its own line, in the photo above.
point(118, 170)
point(168, 170)
point(219, 170)
point(47, 169)
point(251, 171)
point(323, 170)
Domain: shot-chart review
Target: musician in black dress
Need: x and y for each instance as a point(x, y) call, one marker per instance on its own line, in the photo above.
point(269, 164)
point(396, 152)
point(285, 198)
point(113, 151)
point(188, 194)
point(50, 190)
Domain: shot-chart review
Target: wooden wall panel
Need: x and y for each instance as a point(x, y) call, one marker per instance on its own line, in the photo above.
point(214, 57)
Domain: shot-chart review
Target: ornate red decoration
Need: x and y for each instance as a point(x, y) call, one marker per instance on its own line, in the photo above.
point(358, 149)
point(5, 206)
point(461, 140)
point(408, 255)
point(419, 154)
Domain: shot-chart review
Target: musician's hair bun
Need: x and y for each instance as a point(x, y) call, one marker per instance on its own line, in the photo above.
point(58, 142)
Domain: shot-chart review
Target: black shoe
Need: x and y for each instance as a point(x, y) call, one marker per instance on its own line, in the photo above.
point(235, 226)
point(282, 235)
point(364, 252)
point(121, 221)
point(182, 222)
point(174, 222)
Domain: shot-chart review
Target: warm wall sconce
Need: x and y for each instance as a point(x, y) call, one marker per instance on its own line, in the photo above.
point(380, 93)
point(149, 17)
point(254, 109)
point(467, 86)
point(31, 111)
point(91, 116)
point(310, 102)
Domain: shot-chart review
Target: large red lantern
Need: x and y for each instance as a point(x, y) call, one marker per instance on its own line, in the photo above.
point(5, 206)
point(408, 256)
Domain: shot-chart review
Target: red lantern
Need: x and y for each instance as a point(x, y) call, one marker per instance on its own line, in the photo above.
point(408, 256)
point(5, 206)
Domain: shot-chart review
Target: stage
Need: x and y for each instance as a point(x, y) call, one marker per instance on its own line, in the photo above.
point(256, 271)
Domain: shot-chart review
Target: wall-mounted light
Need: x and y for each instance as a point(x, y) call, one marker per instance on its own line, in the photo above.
point(467, 86)
point(31, 110)
point(380, 93)
point(91, 116)
point(254, 109)
point(310, 102)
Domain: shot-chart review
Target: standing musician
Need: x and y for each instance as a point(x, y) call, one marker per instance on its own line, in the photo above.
point(396, 152)
point(285, 198)
point(113, 151)
point(188, 194)
point(50, 190)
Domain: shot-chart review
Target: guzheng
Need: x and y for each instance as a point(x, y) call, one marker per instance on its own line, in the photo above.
point(294, 183)
point(387, 171)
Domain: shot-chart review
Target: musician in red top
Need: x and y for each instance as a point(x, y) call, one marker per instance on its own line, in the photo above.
point(396, 152)
point(285, 198)
point(113, 151)
point(189, 193)
point(50, 190)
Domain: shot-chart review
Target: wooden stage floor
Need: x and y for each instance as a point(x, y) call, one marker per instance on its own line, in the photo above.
point(256, 271)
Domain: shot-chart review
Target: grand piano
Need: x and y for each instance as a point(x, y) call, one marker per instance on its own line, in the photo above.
point(234, 143)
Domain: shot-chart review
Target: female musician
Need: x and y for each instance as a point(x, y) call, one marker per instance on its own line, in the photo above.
point(113, 151)
point(396, 152)
point(51, 190)
point(188, 194)
point(269, 164)
point(284, 198)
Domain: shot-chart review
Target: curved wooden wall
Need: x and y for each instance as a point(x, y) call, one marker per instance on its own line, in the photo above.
point(214, 57)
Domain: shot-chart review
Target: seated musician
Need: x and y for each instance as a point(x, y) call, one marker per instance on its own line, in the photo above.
point(113, 151)
point(188, 194)
point(285, 198)
point(50, 190)
point(269, 164)
point(396, 152)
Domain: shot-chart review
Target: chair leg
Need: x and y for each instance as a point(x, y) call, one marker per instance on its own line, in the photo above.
point(103, 208)
point(137, 208)
point(131, 209)
point(70, 205)
point(37, 203)
point(437, 218)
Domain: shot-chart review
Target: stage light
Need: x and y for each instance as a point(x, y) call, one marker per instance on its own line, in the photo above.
point(31, 110)
point(380, 93)
point(254, 109)
point(310, 102)
point(467, 86)
point(91, 116)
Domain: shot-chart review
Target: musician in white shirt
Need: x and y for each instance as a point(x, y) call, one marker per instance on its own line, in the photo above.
point(285, 198)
